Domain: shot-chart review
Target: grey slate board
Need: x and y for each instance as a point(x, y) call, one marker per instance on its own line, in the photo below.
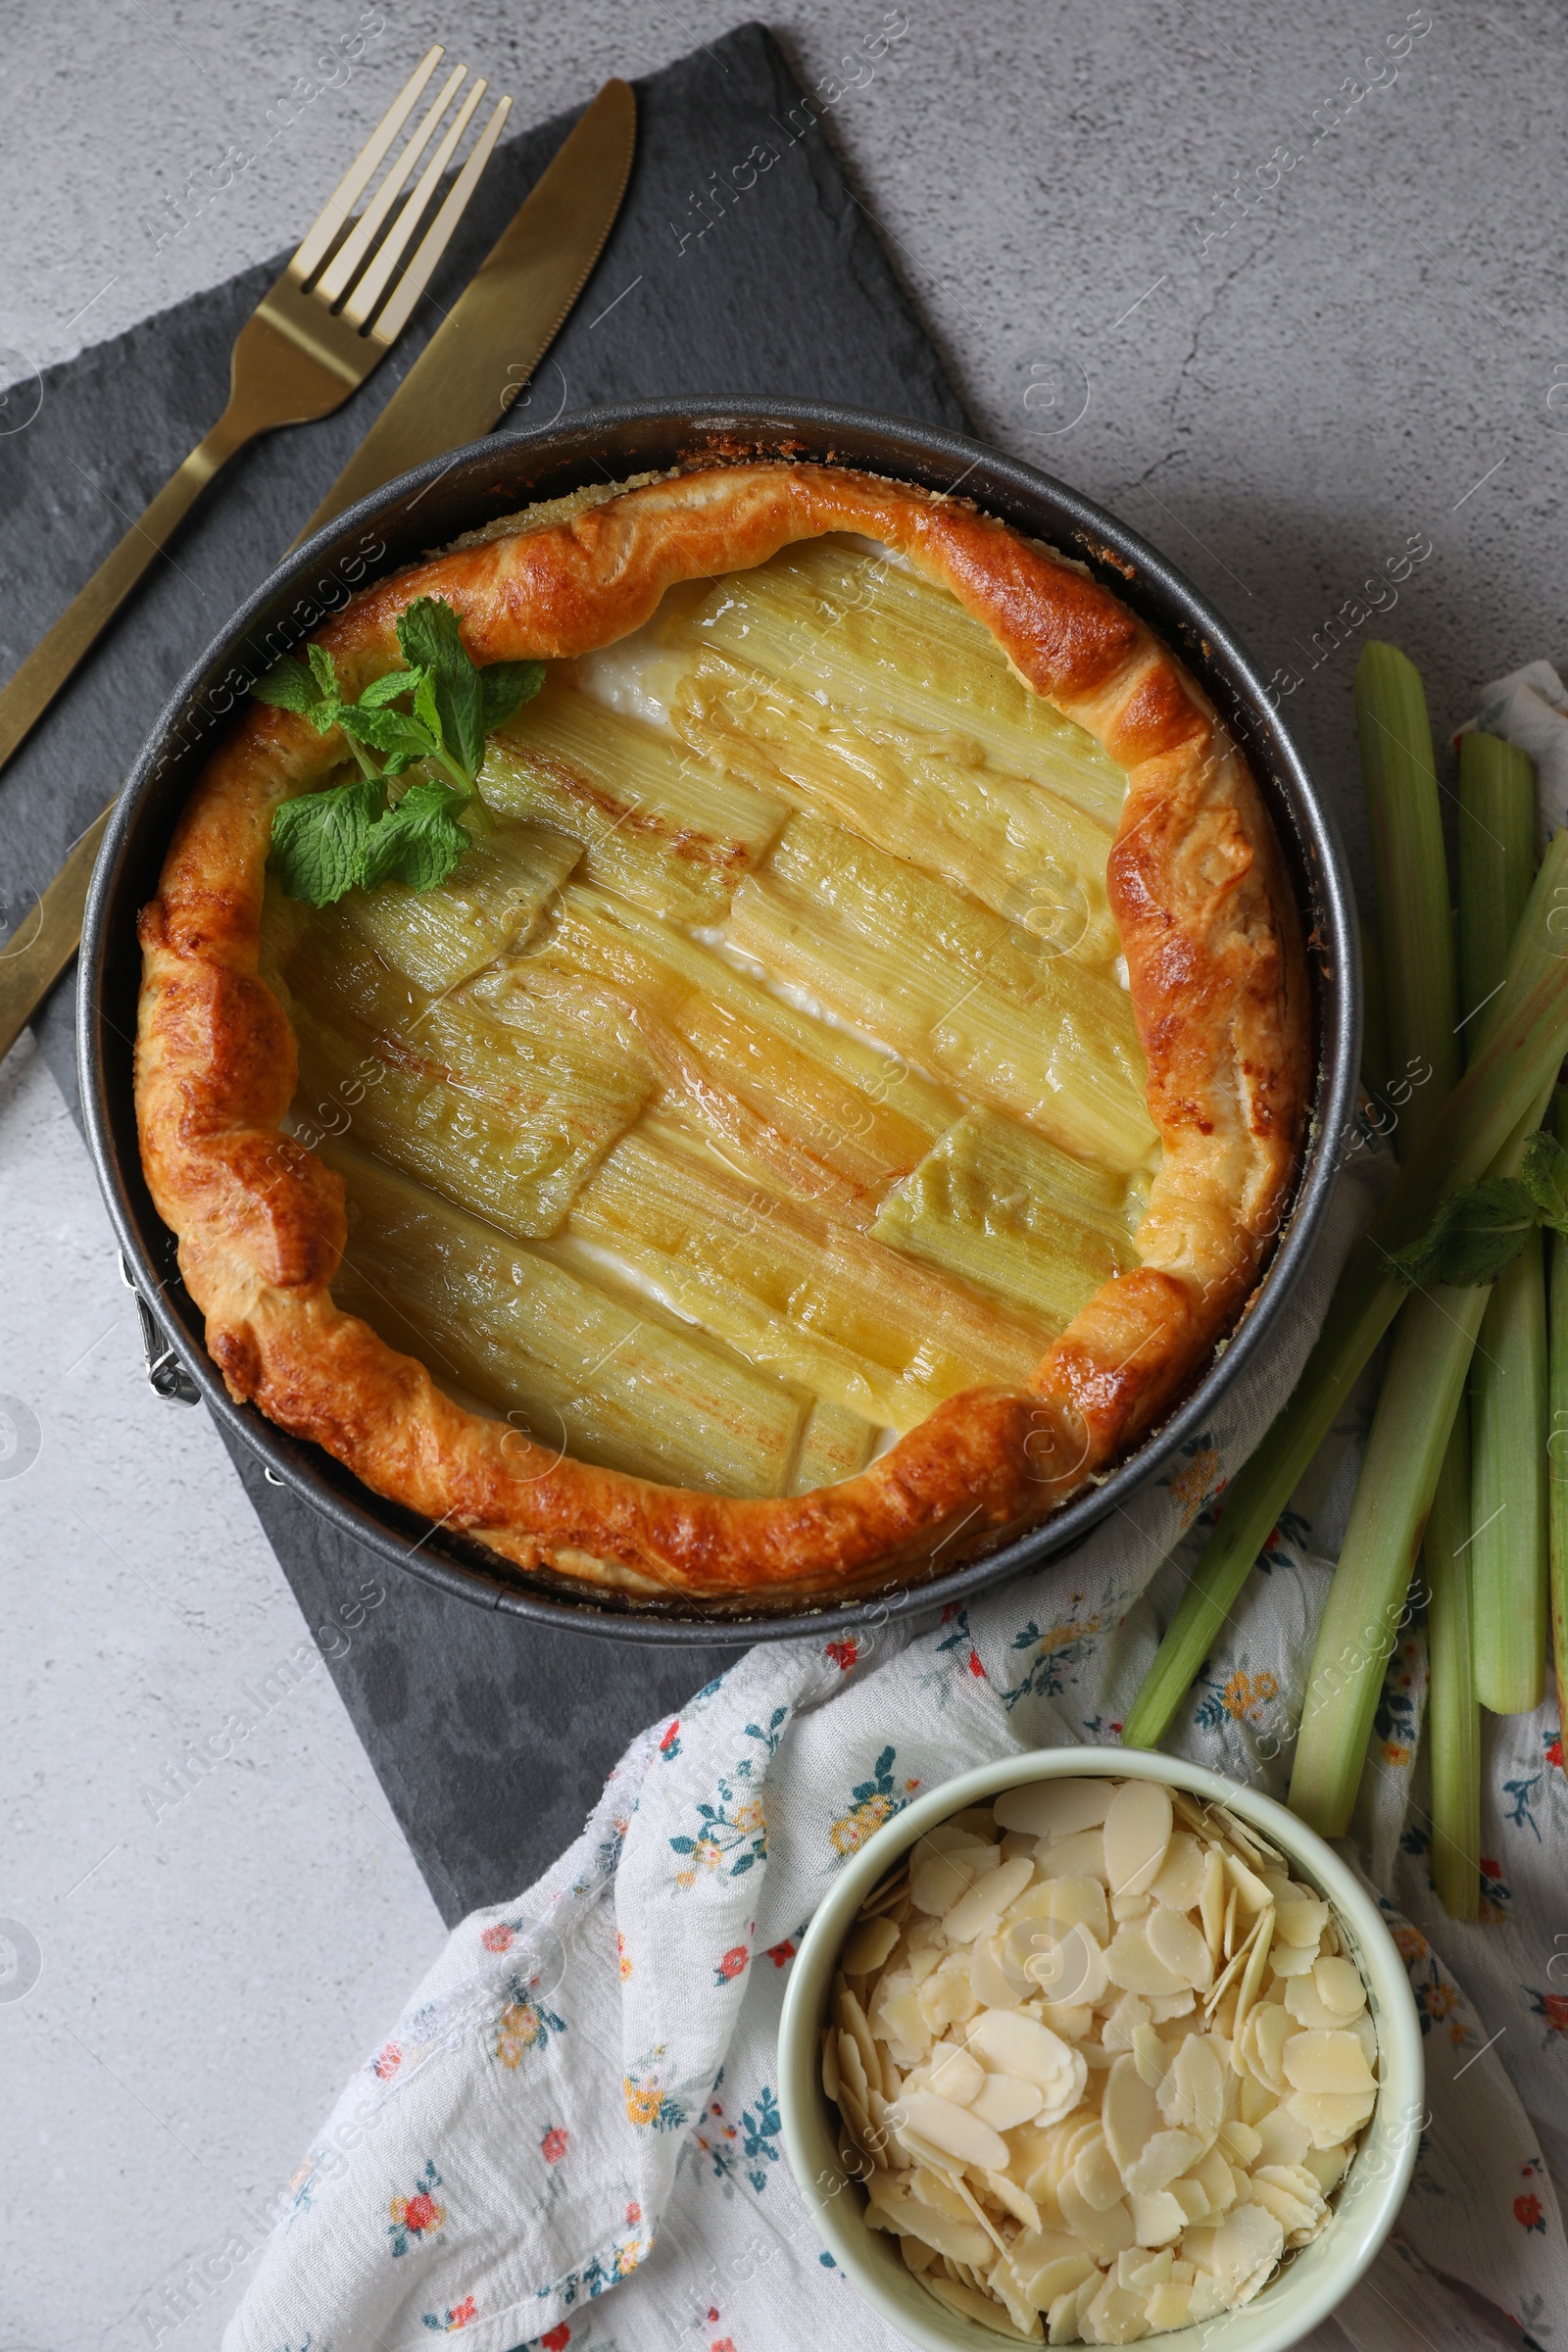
point(490, 1736)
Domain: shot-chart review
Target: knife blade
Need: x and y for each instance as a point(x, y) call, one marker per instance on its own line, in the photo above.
point(485, 350)
point(509, 311)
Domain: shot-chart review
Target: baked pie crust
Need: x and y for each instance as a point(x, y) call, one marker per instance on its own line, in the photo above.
point(1217, 975)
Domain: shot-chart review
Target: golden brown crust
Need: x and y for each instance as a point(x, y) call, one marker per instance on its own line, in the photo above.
point(1218, 983)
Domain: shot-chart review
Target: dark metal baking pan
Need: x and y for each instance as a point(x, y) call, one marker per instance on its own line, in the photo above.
point(433, 506)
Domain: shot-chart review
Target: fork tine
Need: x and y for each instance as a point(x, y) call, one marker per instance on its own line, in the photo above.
point(417, 275)
point(340, 270)
point(317, 242)
point(373, 284)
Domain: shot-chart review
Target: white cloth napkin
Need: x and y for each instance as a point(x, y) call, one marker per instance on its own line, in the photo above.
point(571, 2137)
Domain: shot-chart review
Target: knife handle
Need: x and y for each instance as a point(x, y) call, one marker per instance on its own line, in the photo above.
point(44, 941)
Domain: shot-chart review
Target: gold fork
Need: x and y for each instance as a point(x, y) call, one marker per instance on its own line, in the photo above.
point(311, 341)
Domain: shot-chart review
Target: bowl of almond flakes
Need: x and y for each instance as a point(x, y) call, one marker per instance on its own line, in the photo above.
point(1092, 2045)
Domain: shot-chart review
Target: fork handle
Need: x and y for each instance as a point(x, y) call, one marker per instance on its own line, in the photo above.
point(29, 694)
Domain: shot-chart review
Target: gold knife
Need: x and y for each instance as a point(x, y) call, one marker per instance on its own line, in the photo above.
point(486, 349)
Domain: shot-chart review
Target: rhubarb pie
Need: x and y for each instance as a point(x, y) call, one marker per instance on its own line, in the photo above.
point(836, 1101)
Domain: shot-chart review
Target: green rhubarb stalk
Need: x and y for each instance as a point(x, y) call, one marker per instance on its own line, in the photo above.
point(1509, 1490)
point(1416, 925)
point(1454, 1712)
point(1431, 1349)
point(1374, 1017)
point(1523, 1042)
point(1496, 857)
point(1557, 1436)
point(1507, 1566)
point(1409, 1437)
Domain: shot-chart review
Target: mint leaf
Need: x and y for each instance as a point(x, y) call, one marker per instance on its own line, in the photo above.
point(425, 707)
point(322, 839)
point(313, 692)
point(1491, 1225)
point(1544, 1172)
point(1475, 1235)
point(504, 686)
point(419, 841)
point(431, 640)
point(389, 689)
point(288, 687)
point(388, 730)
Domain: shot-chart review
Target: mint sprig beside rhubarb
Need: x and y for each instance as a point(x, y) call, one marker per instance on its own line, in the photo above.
point(1477, 1233)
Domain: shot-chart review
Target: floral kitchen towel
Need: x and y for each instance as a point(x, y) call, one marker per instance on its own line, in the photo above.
point(572, 2136)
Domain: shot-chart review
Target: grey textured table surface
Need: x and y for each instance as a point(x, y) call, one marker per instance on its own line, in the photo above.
point(1318, 308)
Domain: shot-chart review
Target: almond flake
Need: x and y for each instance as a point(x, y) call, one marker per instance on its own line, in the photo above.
point(1171, 2306)
point(1178, 1944)
point(1095, 2173)
point(1004, 2101)
point(853, 2018)
point(1081, 1856)
point(1012, 2199)
point(1253, 1974)
point(1104, 2231)
point(1054, 1808)
point(1303, 1918)
point(1132, 1963)
point(950, 2129)
point(954, 2073)
point(869, 1947)
point(1194, 2098)
point(1251, 1891)
point(978, 1909)
point(1152, 2059)
point(1072, 2021)
point(1137, 1835)
point(1130, 2114)
point(1331, 2116)
point(1211, 1902)
point(1240, 2141)
point(1306, 2005)
point(1247, 2237)
point(1068, 1902)
point(1180, 1883)
point(1054, 2276)
point(992, 1981)
point(1161, 2160)
point(1118, 2315)
point(1157, 2218)
point(1289, 2212)
point(1339, 1988)
point(1326, 2061)
point(1190, 2195)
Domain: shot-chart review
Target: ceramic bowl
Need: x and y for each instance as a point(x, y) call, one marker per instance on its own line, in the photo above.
point(1315, 2277)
